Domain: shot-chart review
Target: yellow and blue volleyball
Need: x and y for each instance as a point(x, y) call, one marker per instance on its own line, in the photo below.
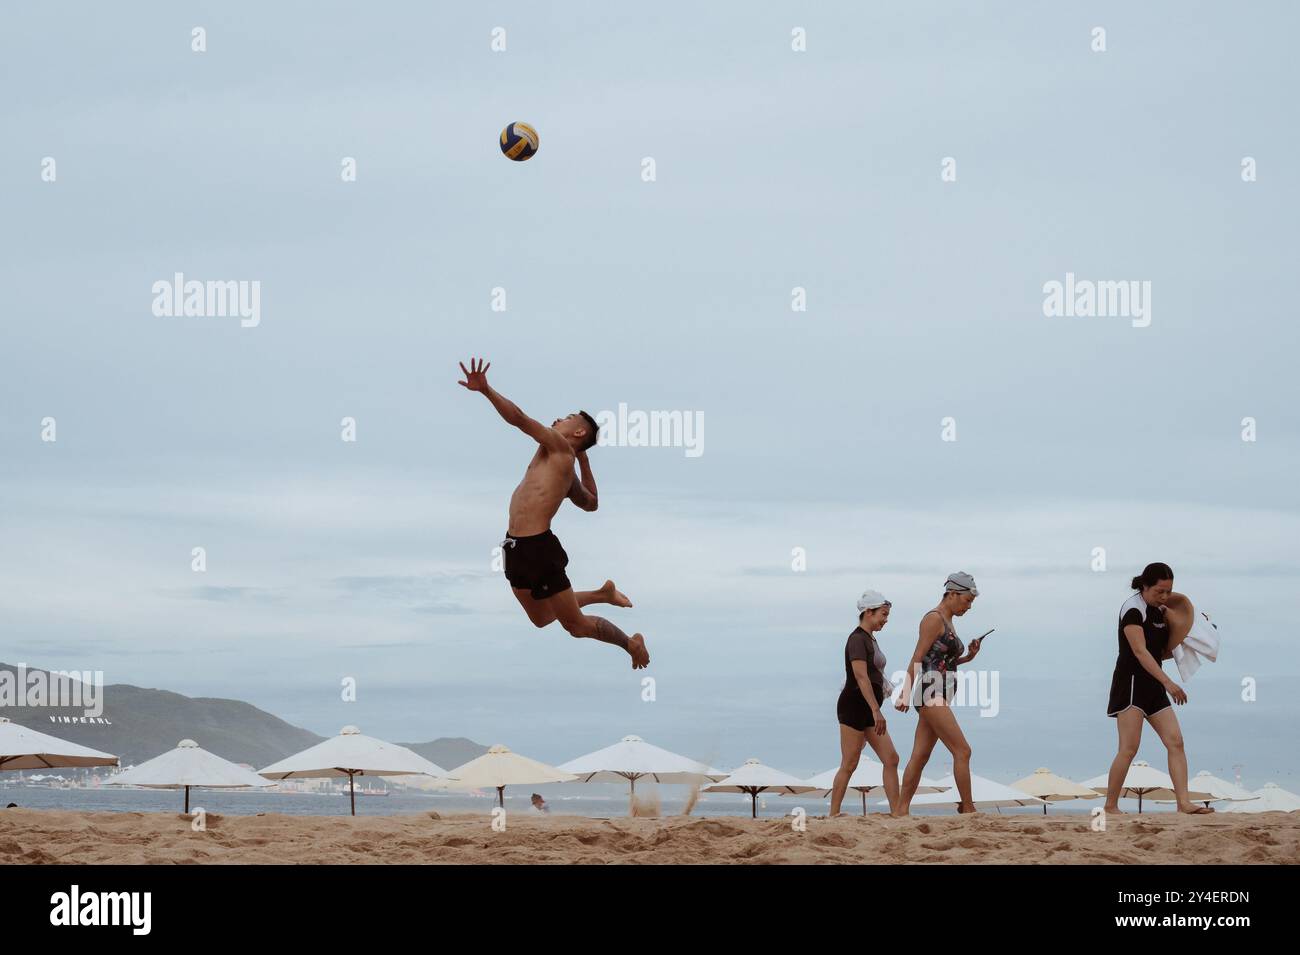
point(519, 141)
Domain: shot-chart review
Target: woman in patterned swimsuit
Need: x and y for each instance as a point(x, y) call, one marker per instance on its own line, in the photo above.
point(934, 669)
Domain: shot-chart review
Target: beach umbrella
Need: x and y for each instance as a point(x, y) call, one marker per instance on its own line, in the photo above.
point(1272, 798)
point(1048, 786)
point(868, 776)
point(23, 748)
point(350, 754)
point(754, 778)
point(632, 758)
point(1218, 789)
point(985, 793)
point(185, 766)
point(499, 768)
point(1143, 780)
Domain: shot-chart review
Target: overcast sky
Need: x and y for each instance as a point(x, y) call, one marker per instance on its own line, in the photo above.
point(774, 169)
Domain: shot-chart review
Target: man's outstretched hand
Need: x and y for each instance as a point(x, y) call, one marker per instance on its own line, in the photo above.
point(475, 375)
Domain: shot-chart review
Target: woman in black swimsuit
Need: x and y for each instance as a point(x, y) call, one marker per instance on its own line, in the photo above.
point(934, 663)
point(858, 708)
point(1140, 688)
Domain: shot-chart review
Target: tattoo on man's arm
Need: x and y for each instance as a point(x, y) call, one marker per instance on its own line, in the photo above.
point(581, 495)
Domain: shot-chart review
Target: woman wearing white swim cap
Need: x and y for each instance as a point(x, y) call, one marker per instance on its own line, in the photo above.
point(858, 708)
point(934, 669)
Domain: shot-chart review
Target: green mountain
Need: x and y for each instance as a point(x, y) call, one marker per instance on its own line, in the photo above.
point(139, 724)
point(448, 752)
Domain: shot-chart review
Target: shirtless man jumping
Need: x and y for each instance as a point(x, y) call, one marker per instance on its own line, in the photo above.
point(534, 559)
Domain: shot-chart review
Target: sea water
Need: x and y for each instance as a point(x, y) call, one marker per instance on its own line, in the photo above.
point(400, 802)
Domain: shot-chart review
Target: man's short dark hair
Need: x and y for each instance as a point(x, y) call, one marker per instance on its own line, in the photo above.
point(593, 430)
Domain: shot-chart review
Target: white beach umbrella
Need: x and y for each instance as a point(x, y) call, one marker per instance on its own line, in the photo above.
point(754, 778)
point(23, 748)
point(1144, 781)
point(632, 758)
point(869, 776)
point(984, 793)
point(499, 768)
point(1218, 789)
point(185, 766)
point(1272, 798)
point(1048, 786)
point(350, 754)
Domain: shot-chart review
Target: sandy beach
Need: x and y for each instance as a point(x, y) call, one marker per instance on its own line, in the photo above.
point(43, 836)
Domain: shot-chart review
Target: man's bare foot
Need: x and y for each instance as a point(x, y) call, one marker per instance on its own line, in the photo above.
point(636, 647)
point(961, 808)
point(1113, 811)
point(612, 595)
point(1195, 810)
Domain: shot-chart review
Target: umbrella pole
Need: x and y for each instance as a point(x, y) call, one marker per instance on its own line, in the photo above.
point(501, 796)
point(864, 802)
point(352, 791)
point(753, 804)
point(187, 800)
point(1044, 807)
point(1139, 804)
point(631, 796)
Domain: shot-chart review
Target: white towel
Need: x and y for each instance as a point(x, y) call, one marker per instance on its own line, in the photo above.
point(1201, 641)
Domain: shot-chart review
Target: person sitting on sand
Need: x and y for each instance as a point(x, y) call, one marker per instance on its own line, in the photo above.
point(858, 707)
point(534, 558)
point(934, 668)
point(1151, 623)
point(539, 804)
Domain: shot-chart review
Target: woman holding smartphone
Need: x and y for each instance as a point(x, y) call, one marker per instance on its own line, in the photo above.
point(934, 668)
point(1140, 689)
point(858, 707)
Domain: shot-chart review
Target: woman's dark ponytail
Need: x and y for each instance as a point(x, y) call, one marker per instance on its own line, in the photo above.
point(1151, 574)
